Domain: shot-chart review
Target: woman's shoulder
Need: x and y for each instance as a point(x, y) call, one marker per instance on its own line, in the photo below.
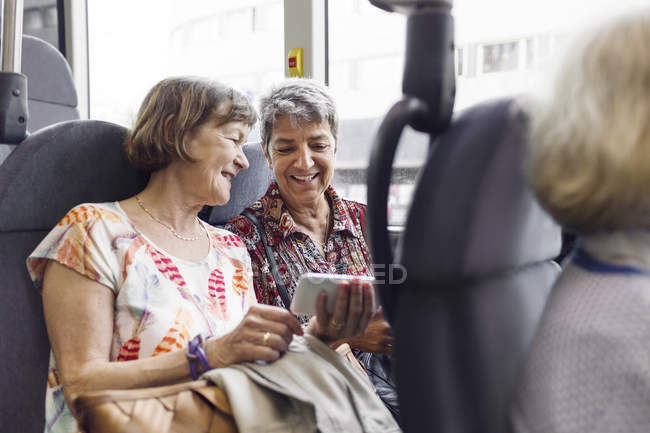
point(224, 237)
point(80, 241)
point(86, 212)
point(242, 225)
point(351, 204)
point(355, 209)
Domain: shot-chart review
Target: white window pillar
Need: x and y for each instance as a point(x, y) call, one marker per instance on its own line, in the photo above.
point(305, 26)
point(76, 49)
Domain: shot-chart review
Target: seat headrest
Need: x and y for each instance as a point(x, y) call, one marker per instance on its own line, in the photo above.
point(473, 210)
point(51, 92)
point(49, 75)
point(60, 167)
point(246, 188)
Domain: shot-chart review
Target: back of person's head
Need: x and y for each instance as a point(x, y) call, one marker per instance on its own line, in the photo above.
point(172, 110)
point(300, 100)
point(589, 163)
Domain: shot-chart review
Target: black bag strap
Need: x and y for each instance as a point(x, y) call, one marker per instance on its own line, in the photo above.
point(275, 271)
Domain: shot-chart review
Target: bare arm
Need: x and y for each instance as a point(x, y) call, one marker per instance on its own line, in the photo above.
point(79, 319)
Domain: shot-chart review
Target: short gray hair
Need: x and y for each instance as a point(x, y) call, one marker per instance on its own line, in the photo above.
point(302, 101)
point(590, 160)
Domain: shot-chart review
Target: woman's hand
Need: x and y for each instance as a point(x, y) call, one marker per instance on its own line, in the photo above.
point(352, 312)
point(263, 334)
point(378, 338)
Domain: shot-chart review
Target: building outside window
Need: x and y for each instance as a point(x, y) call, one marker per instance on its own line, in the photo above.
point(500, 57)
point(237, 42)
point(41, 19)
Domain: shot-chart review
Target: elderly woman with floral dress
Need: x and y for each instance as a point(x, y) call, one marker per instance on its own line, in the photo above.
point(126, 285)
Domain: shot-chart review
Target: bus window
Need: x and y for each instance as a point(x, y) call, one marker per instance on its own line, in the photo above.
point(508, 45)
point(132, 45)
point(41, 19)
point(366, 57)
point(503, 47)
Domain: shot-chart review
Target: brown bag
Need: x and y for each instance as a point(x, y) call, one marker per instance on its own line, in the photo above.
point(196, 407)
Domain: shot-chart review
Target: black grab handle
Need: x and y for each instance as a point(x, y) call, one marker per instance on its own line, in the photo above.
point(429, 88)
point(407, 111)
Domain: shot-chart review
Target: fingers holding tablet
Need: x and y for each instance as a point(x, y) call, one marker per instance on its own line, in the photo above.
point(352, 311)
point(311, 285)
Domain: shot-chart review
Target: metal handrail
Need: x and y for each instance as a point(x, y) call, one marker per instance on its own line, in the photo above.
point(13, 84)
point(12, 34)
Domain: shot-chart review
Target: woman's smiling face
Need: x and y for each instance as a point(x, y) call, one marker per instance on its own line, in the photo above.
point(302, 159)
point(217, 150)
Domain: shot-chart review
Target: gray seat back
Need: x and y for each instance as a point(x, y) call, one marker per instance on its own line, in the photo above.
point(51, 171)
point(589, 365)
point(246, 188)
point(51, 92)
point(477, 249)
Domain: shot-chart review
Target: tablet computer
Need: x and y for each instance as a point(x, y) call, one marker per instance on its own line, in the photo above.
point(311, 284)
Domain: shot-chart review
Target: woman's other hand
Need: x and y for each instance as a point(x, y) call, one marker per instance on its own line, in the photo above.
point(263, 334)
point(378, 338)
point(352, 312)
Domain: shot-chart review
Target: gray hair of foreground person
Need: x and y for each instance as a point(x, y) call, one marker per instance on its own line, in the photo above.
point(589, 162)
point(300, 100)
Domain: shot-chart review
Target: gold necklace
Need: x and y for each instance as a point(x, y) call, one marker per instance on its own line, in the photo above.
point(168, 227)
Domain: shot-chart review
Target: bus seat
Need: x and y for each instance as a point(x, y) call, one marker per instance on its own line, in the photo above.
point(51, 92)
point(246, 188)
point(478, 253)
point(588, 369)
point(51, 171)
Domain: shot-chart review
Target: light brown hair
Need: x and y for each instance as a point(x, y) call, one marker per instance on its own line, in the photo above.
point(172, 109)
point(590, 160)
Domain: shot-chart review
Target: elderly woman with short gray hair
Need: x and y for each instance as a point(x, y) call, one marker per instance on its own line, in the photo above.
point(308, 226)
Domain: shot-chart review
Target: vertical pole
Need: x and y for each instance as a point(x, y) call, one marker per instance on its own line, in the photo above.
point(12, 35)
point(13, 84)
point(305, 27)
point(76, 48)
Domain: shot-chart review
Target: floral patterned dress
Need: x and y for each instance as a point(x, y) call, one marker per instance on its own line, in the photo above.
point(161, 301)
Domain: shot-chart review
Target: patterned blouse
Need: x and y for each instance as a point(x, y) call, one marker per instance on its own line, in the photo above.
point(295, 252)
point(161, 301)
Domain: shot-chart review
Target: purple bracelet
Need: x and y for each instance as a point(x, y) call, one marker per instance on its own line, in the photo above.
point(195, 351)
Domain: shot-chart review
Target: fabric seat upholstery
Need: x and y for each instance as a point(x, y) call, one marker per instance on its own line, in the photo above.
point(51, 92)
point(246, 188)
point(589, 366)
point(477, 249)
point(53, 170)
